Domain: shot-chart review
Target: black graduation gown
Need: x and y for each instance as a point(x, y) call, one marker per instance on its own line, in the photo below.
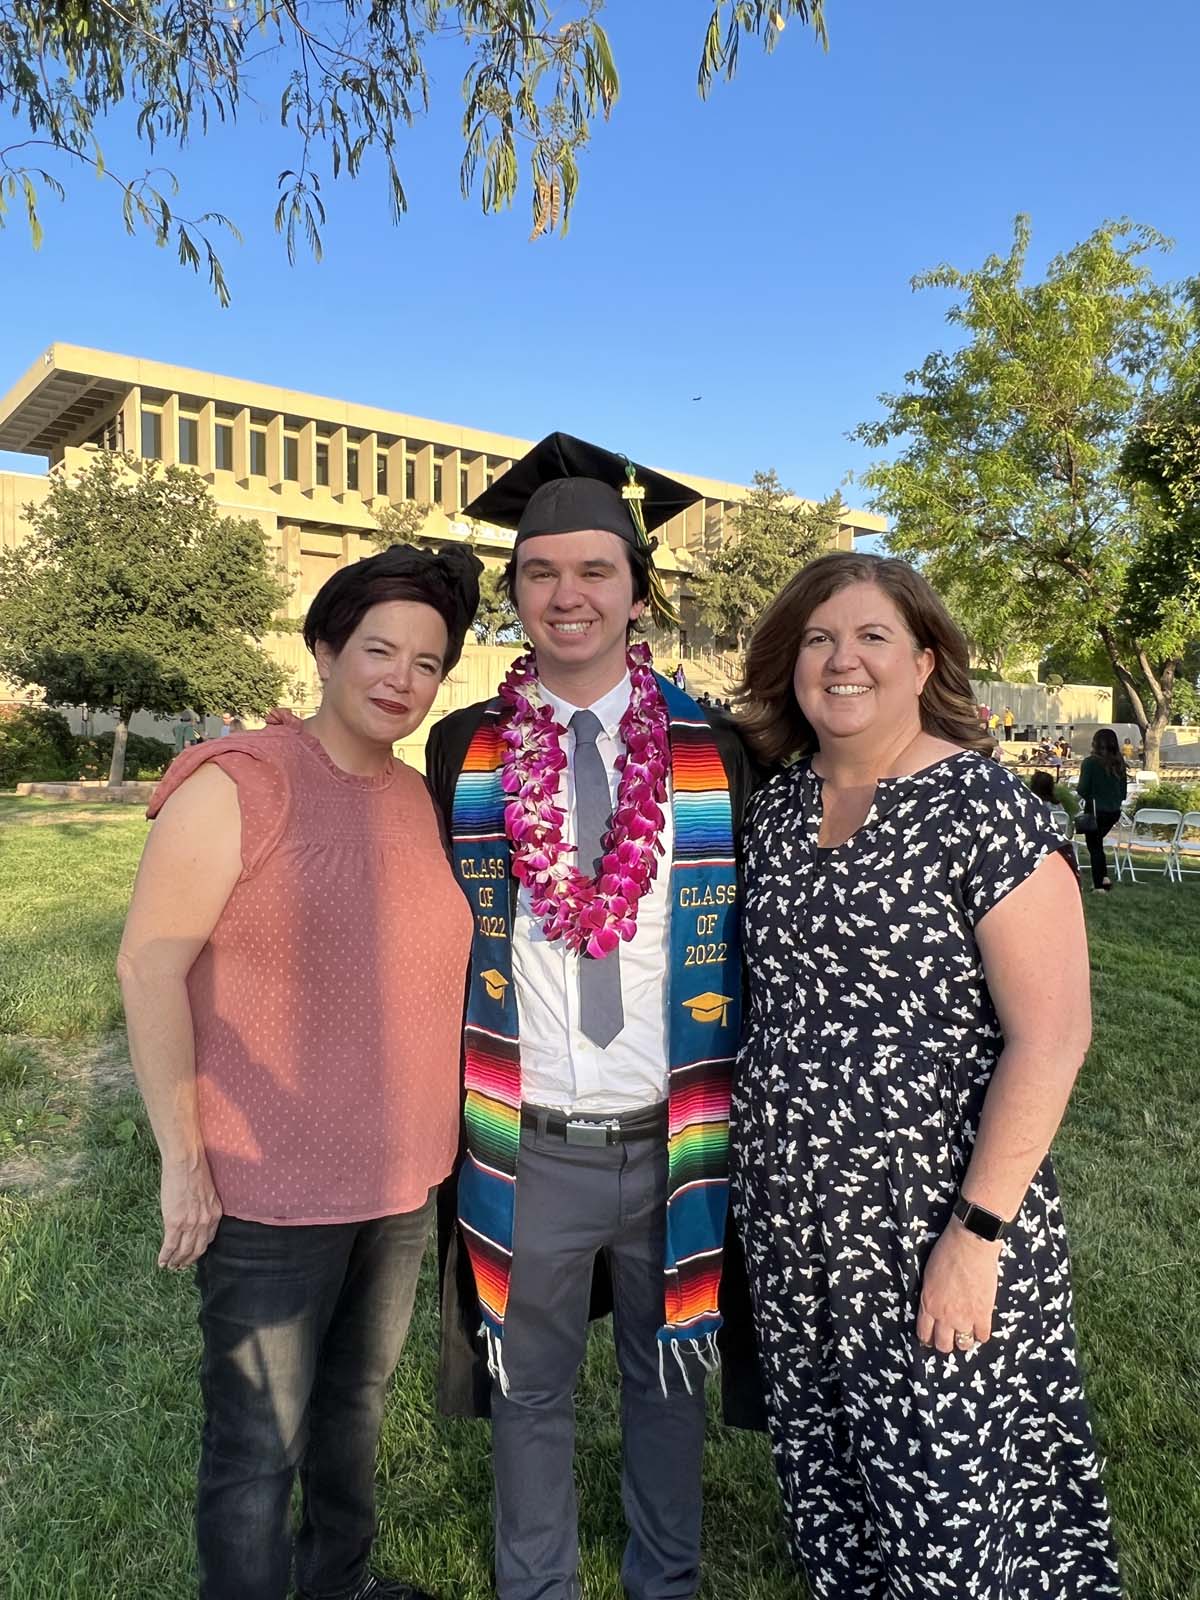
point(464, 1384)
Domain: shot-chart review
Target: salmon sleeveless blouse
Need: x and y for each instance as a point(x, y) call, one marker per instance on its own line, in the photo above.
point(327, 1004)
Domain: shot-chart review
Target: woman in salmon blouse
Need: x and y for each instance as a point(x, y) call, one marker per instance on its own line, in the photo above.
point(293, 968)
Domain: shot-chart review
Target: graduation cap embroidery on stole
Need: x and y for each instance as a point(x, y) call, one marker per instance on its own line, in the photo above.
point(709, 1007)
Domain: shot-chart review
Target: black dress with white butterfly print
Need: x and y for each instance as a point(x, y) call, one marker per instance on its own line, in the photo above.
point(869, 1046)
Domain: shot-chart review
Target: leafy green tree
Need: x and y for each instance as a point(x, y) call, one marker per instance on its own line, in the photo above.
point(772, 536)
point(1008, 484)
point(347, 76)
point(496, 621)
point(1187, 701)
point(1162, 456)
point(36, 745)
point(398, 524)
point(132, 593)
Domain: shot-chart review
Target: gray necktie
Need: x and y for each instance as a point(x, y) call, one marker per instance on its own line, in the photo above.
point(602, 1015)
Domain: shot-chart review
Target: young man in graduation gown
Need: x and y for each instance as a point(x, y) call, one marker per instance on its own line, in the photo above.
point(593, 808)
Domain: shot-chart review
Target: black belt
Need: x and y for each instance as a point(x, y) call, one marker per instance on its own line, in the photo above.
point(648, 1124)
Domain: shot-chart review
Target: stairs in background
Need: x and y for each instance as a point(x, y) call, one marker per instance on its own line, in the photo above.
point(707, 672)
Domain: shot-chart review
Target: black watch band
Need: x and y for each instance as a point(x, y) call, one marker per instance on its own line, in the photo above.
point(985, 1224)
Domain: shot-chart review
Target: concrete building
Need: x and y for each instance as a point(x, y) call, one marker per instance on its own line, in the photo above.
point(315, 473)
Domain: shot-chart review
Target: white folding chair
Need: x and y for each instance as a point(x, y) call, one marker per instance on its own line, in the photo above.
point(1120, 839)
point(1061, 818)
point(1152, 832)
point(1187, 842)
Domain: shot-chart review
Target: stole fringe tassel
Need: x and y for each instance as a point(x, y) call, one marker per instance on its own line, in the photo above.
point(495, 1358)
point(705, 1350)
point(706, 1353)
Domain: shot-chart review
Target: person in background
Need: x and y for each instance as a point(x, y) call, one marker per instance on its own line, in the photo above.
point(1048, 752)
point(182, 730)
point(1127, 750)
point(294, 1024)
point(1009, 723)
point(679, 677)
point(1103, 785)
point(1042, 785)
point(918, 1010)
point(227, 720)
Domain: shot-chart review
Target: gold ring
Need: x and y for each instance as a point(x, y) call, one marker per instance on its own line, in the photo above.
point(963, 1341)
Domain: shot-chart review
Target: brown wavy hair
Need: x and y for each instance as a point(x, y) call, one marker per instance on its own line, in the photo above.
point(769, 713)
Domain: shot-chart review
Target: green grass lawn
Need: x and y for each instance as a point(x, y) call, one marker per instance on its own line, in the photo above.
point(99, 1408)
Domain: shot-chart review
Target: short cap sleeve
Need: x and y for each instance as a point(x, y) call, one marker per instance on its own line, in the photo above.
point(1009, 834)
point(254, 762)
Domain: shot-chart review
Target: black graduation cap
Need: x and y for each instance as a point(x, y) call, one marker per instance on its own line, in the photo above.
point(565, 485)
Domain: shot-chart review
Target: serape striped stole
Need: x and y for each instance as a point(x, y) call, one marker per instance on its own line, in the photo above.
point(703, 999)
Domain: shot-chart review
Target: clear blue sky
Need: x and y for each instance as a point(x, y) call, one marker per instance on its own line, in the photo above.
point(755, 249)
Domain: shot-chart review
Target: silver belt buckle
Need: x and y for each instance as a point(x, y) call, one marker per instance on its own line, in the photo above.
point(580, 1131)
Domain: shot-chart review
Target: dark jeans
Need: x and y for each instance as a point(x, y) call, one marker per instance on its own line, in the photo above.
point(302, 1329)
point(1094, 839)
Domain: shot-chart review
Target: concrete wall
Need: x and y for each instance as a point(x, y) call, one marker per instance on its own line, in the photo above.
point(1044, 709)
point(17, 490)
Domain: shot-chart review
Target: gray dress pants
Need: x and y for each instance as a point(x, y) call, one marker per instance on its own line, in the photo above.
point(572, 1201)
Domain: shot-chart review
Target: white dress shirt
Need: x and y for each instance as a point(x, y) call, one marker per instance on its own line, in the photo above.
point(560, 1066)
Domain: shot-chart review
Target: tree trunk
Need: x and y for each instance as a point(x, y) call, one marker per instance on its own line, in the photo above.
point(1125, 677)
point(1160, 684)
point(1162, 715)
point(116, 771)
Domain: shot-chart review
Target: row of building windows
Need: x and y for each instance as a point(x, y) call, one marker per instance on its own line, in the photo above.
point(188, 454)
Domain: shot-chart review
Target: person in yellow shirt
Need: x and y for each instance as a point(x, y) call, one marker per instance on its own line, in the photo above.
point(1009, 721)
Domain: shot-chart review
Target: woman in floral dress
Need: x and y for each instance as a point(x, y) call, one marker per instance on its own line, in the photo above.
point(919, 1008)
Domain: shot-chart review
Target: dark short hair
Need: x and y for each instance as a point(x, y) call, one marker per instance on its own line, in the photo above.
point(447, 581)
point(772, 719)
point(1042, 785)
point(639, 566)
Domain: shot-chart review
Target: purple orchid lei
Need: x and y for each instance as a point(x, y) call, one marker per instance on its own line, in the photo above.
point(590, 913)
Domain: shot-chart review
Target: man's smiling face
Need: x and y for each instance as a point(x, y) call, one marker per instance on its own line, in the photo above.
point(574, 595)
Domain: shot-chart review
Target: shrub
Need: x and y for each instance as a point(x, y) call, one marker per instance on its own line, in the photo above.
point(36, 746)
point(1169, 797)
point(1066, 797)
point(144, 758)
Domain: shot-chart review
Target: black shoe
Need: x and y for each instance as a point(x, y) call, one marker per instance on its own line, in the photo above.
point(374, 1587)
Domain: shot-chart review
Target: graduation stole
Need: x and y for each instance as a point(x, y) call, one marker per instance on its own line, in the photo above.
point(703, 997)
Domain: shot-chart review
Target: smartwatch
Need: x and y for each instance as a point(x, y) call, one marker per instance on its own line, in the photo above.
point(985, 1224)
